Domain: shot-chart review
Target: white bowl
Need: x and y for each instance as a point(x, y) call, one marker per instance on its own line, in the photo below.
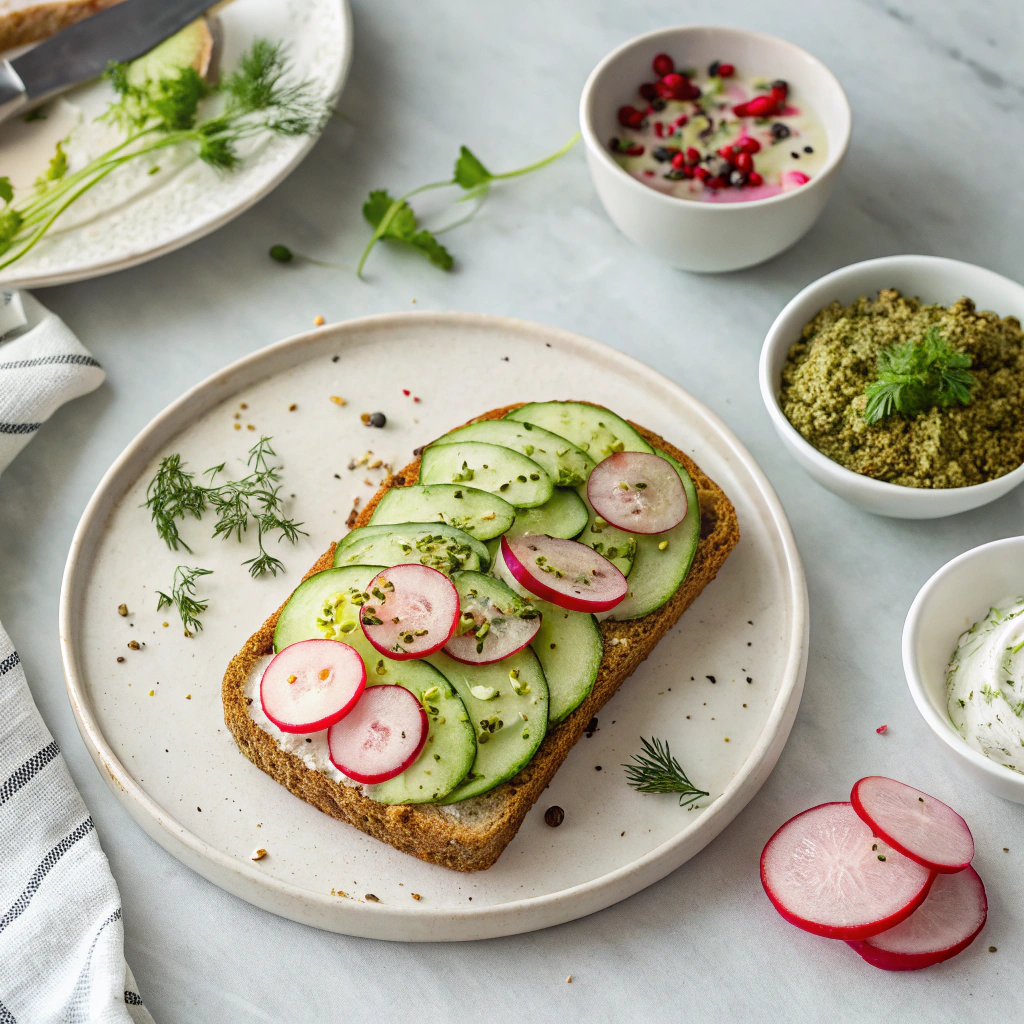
point(956, 597)
point(690, 234)
point(932, 279)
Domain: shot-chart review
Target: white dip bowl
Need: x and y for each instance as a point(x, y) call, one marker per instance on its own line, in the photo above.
point(690, 234)
point(931, 279)
point(956, 597)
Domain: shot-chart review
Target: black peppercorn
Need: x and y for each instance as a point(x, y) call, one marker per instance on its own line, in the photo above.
point(780, 130)
point(377, 419)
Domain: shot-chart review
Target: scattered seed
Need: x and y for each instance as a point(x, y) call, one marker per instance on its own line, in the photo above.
point(292, 407)
point(188, 696)
point(882, 729)
point(119, 659)
point(122, 609)
point(151, 692)
point(712, 678)
point(238, 426)
point(133, 645)
point(554, 816)
point(165, 624)
point(568, 980)
point(991, 949)
point(597, 767)
point(373, 899)
point(338, 400)
point(259, 854)
point(318, 321)
point(243, 405)
point(250, 426)
point(415, 895)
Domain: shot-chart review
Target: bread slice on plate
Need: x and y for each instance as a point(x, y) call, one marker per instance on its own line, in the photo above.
point(28, 21)
point(471, 835)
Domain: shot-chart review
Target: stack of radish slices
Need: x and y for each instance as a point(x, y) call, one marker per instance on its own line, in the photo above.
point(889, 872)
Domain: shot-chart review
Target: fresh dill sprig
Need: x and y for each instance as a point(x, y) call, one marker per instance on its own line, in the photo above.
point(260, 97)
point(173, 494)
point(183, 597)
point(395, 220)
point(657, 771)
point(919, 375)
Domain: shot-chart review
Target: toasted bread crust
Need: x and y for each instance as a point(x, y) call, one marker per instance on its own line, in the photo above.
point(473, 837)
point(34, 21)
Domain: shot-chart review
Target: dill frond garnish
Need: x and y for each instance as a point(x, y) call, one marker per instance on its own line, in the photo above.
point(183, 597)
point(174, 495)
point(657, 771)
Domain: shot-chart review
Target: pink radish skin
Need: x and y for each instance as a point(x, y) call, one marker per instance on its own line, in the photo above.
point(507, 635)
point(637, 492)
point(310, 685)
point(919, 826)
point(565, 563)
point(948, 921)
point(825, 873)
point(381, 737)
point(410, 611)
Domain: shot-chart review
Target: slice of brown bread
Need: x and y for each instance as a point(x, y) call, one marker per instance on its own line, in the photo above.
point(471, 835)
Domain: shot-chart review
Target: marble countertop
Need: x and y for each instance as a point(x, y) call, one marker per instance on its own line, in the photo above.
point(935, 90)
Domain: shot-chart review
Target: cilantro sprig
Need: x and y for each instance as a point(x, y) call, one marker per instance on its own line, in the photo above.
point(394, 220)
point(919, 375)
point(260, 96)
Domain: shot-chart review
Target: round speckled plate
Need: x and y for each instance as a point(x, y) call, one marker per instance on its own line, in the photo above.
point(132, 217)
point(153, 723)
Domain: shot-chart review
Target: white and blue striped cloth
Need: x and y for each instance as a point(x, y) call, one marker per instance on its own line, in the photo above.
point(61, 938)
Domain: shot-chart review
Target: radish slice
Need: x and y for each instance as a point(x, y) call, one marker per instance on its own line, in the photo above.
point(919, 826)
point(381, 737)
point(946, 923)
point(637, 492)
point(564, 572)
point(826, 873)
point(493, 632)
point(311, 685)
point(410, 611)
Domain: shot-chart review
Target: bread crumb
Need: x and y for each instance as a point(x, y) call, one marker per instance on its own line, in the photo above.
point(568, 980)
point(371, 898)
point(259, 854)
point(338, 400)
point(122, 609)
point(415, 895)
point(318, 321)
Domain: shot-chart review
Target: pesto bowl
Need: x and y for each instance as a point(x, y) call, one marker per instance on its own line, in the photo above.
point(960, 594)
point(931, 279)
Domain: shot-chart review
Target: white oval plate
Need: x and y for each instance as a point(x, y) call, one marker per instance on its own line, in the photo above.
point(133, 217)
point(174, 765)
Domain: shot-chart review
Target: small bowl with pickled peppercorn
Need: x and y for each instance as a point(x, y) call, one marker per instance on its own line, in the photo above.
point(713, 148)
point(898, 384)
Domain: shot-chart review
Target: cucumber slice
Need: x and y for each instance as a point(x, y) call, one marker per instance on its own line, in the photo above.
point(508, 621)
point(598, 431)
point(479, 513)
point(563, 515)
point(434, 544)
point(489, 693)
point(567, 465)
point(569, 647)
point(658, 573)
point(502, 471)
point(616, 545)
point(322, 607)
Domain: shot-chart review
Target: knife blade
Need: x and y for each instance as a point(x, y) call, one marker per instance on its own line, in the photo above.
point(81, 52)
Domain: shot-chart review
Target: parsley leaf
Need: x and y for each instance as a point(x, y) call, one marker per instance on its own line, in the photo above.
point(469, 172)
point(919, 375)
point(395, 220)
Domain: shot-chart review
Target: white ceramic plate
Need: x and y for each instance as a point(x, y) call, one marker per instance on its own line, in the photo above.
point(132, 216)
point(167, 755)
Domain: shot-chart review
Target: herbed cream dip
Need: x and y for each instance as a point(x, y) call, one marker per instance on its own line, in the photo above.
point(985, 685)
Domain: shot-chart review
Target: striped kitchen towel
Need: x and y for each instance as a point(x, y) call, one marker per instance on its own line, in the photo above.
point(61, 939)
point(43, 366)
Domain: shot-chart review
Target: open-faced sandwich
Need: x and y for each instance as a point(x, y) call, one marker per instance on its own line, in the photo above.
point(433, 670)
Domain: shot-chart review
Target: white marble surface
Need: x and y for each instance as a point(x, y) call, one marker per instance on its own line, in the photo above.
point(937, 93)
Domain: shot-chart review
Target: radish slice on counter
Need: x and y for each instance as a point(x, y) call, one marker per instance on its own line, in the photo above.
point(382, 735)
point(311, 685)
point(946, 923)
point(493, 635)
point(919, 826)
point(564, 572)
point(637, 492)
point(826, 873)
point(410, 611)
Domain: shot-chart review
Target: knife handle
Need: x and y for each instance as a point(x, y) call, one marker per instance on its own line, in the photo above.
point(12, 91)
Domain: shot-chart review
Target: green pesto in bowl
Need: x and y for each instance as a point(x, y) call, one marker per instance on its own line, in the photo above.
point(827, 373)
